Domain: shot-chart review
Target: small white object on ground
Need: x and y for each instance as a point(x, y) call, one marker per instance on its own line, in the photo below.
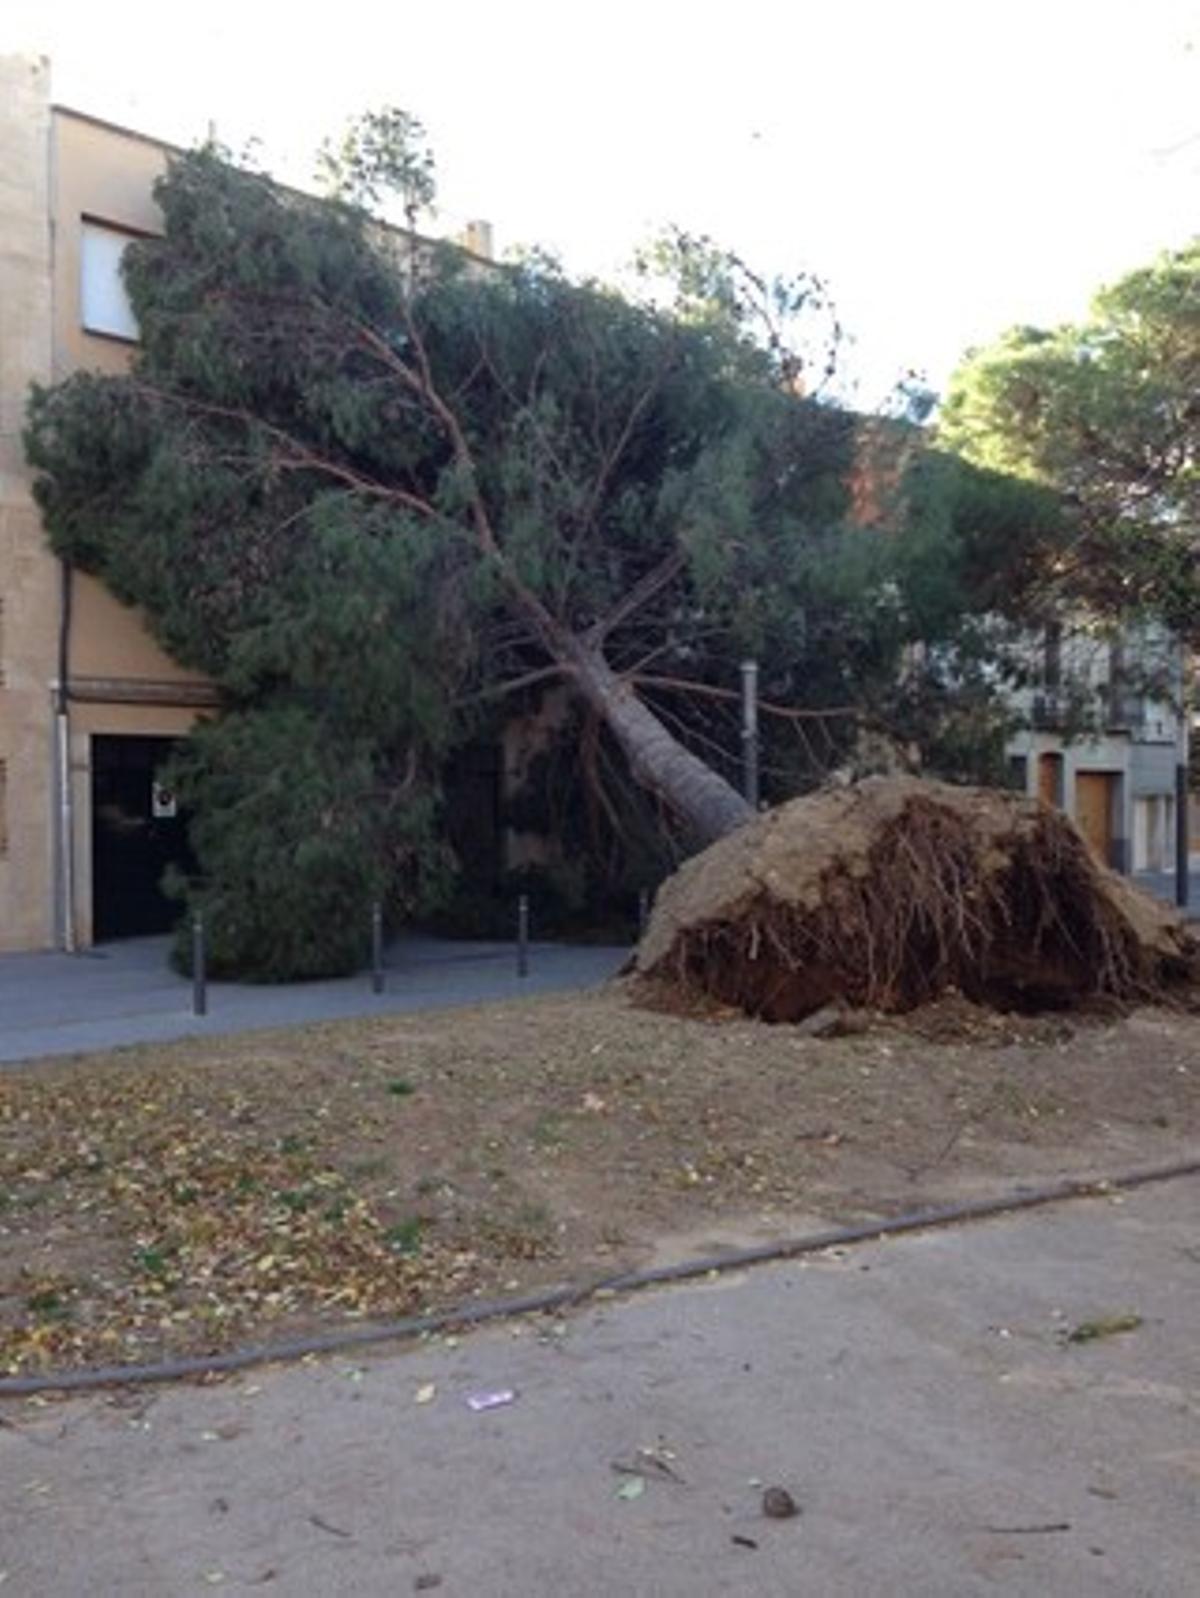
point(493, 1400)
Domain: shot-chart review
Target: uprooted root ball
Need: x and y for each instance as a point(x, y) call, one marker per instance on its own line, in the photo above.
point(886, 894)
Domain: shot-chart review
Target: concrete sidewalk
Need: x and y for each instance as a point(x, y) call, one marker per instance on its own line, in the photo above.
point(125, 992)
point(1162, 885)
point(918, 1397)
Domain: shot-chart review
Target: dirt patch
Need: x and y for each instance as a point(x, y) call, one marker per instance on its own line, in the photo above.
point(203, 1194)
point(889, 893)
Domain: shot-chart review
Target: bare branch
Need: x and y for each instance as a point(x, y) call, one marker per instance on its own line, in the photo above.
point(665, 646)
point(636, 412)
point(642, 592)
point(514, 684)
point(297, 456)
point(591, 751)
point(707, 691)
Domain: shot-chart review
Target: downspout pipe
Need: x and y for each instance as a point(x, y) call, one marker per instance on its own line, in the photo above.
point(62, 744)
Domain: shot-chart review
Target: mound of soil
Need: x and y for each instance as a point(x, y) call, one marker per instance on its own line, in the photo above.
point(894, 891)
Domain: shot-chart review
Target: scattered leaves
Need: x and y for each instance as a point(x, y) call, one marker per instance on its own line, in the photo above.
point(1103, 1326)
point(216, 1222)
point(180, 1199)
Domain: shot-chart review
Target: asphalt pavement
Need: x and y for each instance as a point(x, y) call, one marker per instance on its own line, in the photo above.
point(119, 993)
point(921, 1399)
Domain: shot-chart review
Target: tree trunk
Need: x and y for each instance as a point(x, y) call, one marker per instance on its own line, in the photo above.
point(707, 805)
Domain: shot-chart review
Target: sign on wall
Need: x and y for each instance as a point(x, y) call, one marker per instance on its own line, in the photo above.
point(163, 803)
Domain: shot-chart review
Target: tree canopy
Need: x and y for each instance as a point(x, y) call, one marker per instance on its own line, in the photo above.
point(1107, 413)
point(370, 487)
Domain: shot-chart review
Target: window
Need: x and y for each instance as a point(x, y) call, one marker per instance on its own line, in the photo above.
point(1017, 775)
point(104, 304)
point(1154, 833)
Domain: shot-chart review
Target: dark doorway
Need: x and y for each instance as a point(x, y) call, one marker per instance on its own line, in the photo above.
point(472, 814)
point(137, 832)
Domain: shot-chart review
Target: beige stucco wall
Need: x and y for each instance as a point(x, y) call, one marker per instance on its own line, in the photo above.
point(110, 640)
point(28, 583)
point(108, 175)
point(57, 167)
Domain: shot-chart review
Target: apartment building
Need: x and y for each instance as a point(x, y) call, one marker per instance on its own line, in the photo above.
point(89, 705)
point(1104, 739)
point(1103, 733)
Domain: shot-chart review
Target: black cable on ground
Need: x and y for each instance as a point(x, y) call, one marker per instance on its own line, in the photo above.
point(563, 1297)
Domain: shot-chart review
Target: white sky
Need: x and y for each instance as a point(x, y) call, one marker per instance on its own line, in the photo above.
point(952, 166)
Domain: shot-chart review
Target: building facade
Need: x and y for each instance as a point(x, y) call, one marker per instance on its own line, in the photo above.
point(89, 704)
point(1104, 739)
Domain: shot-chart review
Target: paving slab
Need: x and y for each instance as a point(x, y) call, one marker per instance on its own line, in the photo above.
point(120, 993)
point(919, 1398)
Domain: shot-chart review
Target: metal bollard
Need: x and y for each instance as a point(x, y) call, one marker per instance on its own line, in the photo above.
point(1182, 841)
point(199, 967)
point(523, 935)
point(376, 947)
point(750, 732)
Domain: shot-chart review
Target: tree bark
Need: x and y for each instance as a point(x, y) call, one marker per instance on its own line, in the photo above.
point(707, 805)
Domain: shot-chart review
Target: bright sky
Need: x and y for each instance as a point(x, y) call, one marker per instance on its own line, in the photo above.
point(951, 166)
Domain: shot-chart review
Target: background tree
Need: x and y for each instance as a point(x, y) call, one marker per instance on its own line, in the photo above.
point(369, 491)
point(1107, 412)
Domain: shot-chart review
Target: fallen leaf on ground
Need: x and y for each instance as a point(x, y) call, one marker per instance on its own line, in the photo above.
point(1103, 1326)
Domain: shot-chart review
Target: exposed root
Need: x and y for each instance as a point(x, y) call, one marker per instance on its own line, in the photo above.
point(888, 894)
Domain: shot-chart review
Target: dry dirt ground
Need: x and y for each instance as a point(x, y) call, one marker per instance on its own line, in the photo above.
point(191, 1197)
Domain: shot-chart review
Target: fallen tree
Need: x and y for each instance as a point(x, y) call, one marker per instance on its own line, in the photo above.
point(381, 496)
point(886, 894)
